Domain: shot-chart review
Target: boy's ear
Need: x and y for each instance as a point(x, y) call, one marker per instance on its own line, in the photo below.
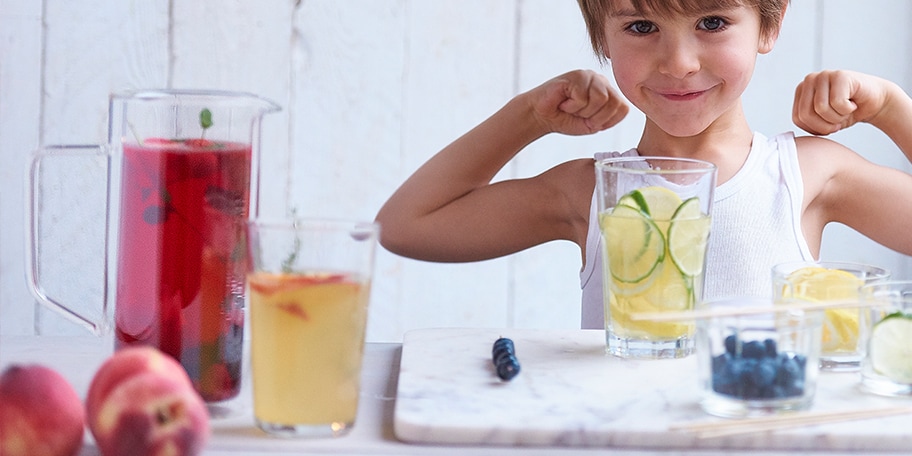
point(768, 41)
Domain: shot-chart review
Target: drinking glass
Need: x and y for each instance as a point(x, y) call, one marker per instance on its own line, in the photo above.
point(829, 281)
point(760, 363)
point(886, 368)
point(309, 290)
point(654, 216)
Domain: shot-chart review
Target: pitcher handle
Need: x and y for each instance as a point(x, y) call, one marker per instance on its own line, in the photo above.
point(32, 272)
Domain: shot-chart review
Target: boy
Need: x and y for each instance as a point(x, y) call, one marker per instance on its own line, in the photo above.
point(685, 65)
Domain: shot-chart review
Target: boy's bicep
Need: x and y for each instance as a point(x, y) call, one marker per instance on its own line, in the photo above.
point(501, 218)
point(874, 200)
point(489, 222)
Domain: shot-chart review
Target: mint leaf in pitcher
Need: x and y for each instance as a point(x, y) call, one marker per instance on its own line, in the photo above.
point(205, 118)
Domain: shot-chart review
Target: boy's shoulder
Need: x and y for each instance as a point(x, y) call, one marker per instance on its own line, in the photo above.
point(815, 145)
point(821, 158)
point(801, 141)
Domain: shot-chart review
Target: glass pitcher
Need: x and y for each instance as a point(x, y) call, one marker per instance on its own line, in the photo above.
point(182, 182)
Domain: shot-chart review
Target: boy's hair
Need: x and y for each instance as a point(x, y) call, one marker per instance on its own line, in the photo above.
point(595, 13)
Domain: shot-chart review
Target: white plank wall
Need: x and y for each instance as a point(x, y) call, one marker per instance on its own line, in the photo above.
point(370, 89)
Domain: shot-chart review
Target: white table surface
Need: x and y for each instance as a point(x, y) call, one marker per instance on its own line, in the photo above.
point(77, 358)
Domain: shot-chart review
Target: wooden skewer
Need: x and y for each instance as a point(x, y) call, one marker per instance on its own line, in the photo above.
point(699, 314)
point(711, 429)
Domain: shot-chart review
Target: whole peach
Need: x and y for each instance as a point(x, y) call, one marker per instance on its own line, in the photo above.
point(40, 413)
point(141, 402)
point(126, 363)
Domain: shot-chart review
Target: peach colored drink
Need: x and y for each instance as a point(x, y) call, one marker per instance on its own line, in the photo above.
point(307, 339)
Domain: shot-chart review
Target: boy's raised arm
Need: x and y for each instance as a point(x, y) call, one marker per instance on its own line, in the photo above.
point(448, 210)
point(841, 185)
point(829, 101)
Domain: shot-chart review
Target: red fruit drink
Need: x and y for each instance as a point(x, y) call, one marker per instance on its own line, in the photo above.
point(182, 256)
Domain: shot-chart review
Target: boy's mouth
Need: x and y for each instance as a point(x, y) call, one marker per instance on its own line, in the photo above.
point(681, 95)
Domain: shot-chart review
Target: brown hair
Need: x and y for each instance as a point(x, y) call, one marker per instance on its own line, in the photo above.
point(595, 12)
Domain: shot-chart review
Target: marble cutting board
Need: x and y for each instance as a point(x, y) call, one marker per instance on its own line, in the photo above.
point(570, 393)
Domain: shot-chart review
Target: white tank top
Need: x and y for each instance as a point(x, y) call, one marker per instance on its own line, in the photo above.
point(756, 223)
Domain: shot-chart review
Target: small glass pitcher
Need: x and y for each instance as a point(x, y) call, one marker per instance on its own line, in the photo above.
point(182, 183)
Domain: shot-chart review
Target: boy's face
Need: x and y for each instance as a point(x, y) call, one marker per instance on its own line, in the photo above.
point(684, 71)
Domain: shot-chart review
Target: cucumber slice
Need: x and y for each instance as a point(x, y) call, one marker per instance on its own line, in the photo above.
point(688, 233)
point(891, 347)
point(634, 244)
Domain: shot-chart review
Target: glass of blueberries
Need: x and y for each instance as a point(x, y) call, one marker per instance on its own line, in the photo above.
point(759, 364)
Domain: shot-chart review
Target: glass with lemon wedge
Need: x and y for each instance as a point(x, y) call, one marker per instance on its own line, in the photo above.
point(886, 368)
point(842, 345)
point(654, 216)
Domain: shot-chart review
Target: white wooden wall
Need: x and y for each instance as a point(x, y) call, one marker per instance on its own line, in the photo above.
point(370, 89)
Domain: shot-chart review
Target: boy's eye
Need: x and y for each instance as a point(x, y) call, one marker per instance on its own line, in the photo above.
point(642, 27)
point(712, 24)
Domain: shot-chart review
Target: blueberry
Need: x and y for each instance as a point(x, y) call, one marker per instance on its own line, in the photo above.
point(503, 344)
point(789, 370)
point(723, 379)
point(749, 391)
point(727, 389)
point(745, 368)
point(796, 389)
point(731, 345)
point(778, 392)
point(791, 374)
point(503, 355)
point(502, 347)
point(770, 345)
point(733, 378)
point(732, 368)
point(508, 367)
point(753, 349)
point(764, 373)
point(498, 358)
point(720, 362)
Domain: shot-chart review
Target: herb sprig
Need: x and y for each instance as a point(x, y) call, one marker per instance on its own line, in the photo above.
point(289, 261)
point(205, 119)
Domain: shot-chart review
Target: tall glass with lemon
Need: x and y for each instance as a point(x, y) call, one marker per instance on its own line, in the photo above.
point(842, 343)
point(309, 289)
point(654, 216)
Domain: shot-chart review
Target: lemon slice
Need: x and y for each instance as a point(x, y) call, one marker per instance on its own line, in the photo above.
point(659, 203)
point(634, 244)
point(687, 236)
point(840, 326)
point(824, 284)
point(668, 290)
point(890, 347)
point(840, 330)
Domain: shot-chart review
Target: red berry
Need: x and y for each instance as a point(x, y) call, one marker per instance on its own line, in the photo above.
point(199, 142)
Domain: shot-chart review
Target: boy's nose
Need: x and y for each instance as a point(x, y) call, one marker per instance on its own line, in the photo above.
point(679, 58)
